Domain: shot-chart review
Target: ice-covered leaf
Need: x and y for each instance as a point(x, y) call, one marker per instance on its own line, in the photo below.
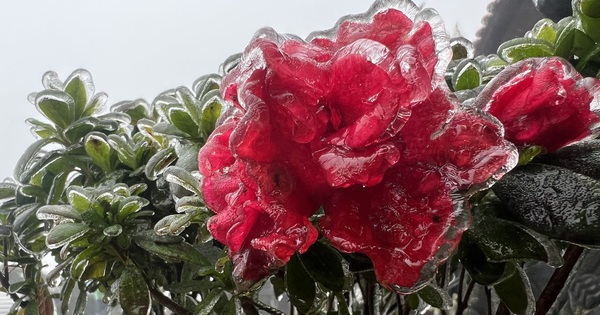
point(169, 129)
point(137, 109)
point(206, 83)
point(81, 88)
point(131, 205)
point(79, 198)
point(467, 75)
point(97, 147)
point(183, 178)
point(95, 105)
point(211, 110)
point(474, 261)
point(300, 286)
point(57, 212)
point(29, 157)
point(113, 230)
point(65, 233)
point(435, 296)
point(173, 252)
point(181, 119)
point(158, 162)
point(57, 106)
point(582, 157)
point(134, 294)
point(209, 302)
point(522, 48)
point(43, 130)
point(191, 104)
point(80, 128)
point(553, 201)
point(589, 13)
point(123, 146)
point(324, 265)
point(515, 292)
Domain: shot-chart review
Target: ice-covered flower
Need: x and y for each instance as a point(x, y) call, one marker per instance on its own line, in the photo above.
point(543, 101)
point(358, 120)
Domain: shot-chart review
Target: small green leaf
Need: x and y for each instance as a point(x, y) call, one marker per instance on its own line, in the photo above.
point(300, 286)
point(324, 265)
point(169, 129)
point(113, 230)
point(80, 128)
point(124, 150)
point(79, 198)
point(435, 296)
point(65, 233)
point(158, 162)
point(183, 178)
point(80, 86)
point(81, 302)
point(95, 104)
point(475, 262)
point(131, 205)
point(43, 130)
point(181, 119)
point(134, 294)
point(208, 302)
point(137, 109)
point(29, 158)
point(191, 104)
point(57, 106)
point(97, 147)
point(522, 48)
point(206, 83)
point(58, 212)
point(529, 153)
point(515, 292)
point(544, 30)
point(65, 295)
point(467, 75)
point(211, 110)
point(173, 252)
point(173, 224)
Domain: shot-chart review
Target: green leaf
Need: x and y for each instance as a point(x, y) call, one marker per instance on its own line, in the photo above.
point(181, 119)
point(544, 30)
point(158, 162)
point(58, 212)
point(129, 206)
point(97, 147)
point(173, 224)
point(80, 128)
point(169, 129)
point(80, 87)
point(324, 265)
point(503, 240)
point(134, 294)
point(65, 233)
point(95, 104)
point(191, 104)
point(529, 153)
point(7, 190)
point(581, 157)
point(553, 201)
point(211, 110)
point(191, 286)
point(473, 259)
point(522, 48)
point(467, 75)
point(79, 198)
point(208, 302)
point(29, 158)
point(588, 12)
point(183, 178)
point(206, 83)
point(57, 106)
point(515, 292)
point(42, 129)
point(300, 286)
point(65, 295)
point(435, 296)
point(173, 252)
point(137, 109)
point(81, 300)
point(124, 150)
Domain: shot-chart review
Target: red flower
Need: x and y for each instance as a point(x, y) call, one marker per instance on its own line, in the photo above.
point(543, 101)
point(357, 120)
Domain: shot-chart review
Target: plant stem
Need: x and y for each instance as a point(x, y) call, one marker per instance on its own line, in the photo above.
point(462, 305)
point(248, 306)
point(558, 279)
point(167, 302)
point(502, 309)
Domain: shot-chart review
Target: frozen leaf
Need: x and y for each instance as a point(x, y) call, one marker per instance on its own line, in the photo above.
point(122, 145)
point(173, 224)
point(300, 286)
point(553, 201)
point(181, 119)
point(80, 128)
point(544, 30)
point(159, 162)
point(81, 88)
point(79, 198)
point(43, 130)
point(57, 106)
point(208, 303)
point(51, 81)
point(190, 103)
point(95, 105)
point(522, 48)
point(65, 233)
point(58, 212)
point(467, 75)
point(173, 252)
point(515, 292)
point(435, 296)
point(65, 295)
point(29, 157)
point(137, 109)
point(134, 294)
point(211, 110)
point(113, 230)
point(588, 12)
point(129, 206)
point(474, 261)
point(324, 265)
point(183, 178)
point(169, 129)
point(97, 147)
point(581, 157)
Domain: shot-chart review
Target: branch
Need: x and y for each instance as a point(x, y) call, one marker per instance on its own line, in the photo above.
point(167, 302)
point(558, 279)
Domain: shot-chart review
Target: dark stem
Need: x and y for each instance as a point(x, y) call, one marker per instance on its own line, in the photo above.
point(558, 279)
point(167, 302)
point(462, 305)
point(4, 281)
point(488, 296)
point(248, 306)
point(369, 303)
point(406, 308)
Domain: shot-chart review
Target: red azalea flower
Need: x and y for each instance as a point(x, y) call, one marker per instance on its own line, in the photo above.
point(543, 101)
point(358, 120)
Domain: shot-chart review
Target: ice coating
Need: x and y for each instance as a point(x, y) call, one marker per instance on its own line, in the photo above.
point(357, 120)
point(543, 101)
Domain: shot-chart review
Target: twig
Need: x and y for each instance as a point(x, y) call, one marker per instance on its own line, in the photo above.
point(248, 306)
point(167, 302)
point(462, 306)
point(488, 296)
point(558, 279)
